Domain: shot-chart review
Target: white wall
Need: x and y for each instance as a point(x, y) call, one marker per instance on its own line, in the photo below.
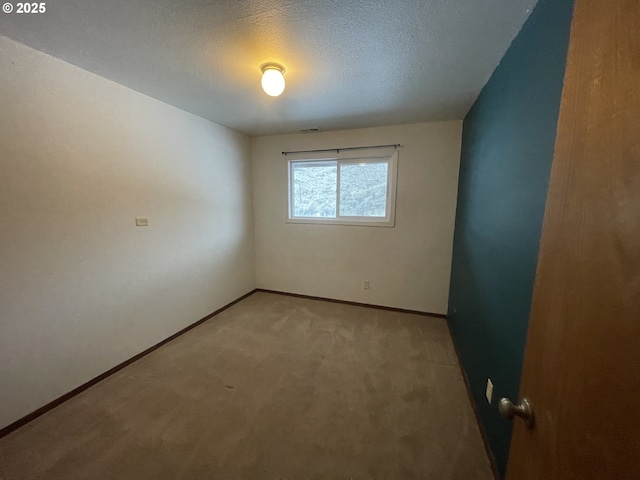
point(81, 288)
point(408, 266)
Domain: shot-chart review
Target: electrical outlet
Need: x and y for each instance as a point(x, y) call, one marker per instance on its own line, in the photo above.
point(365, 285)
point(142, 222)
point(489, 392)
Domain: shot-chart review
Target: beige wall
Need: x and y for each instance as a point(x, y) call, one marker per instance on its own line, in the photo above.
point(81, 288)
point(407, 266)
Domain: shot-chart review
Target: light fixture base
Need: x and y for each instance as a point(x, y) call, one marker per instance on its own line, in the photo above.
point(271, 66)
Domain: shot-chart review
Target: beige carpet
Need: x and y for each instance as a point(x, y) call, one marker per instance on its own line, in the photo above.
point(275, 387)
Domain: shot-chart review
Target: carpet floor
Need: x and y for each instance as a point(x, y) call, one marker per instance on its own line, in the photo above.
point(275, 387)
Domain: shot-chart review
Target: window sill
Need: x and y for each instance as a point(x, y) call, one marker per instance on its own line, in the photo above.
point(342, 221)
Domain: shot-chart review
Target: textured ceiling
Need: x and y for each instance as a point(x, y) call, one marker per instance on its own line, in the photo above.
point(349, 63)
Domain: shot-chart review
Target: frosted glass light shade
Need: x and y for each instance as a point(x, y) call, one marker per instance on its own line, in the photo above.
point(272, 80)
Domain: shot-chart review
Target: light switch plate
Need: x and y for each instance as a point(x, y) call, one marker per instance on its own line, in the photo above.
point(489, 392)
point(142, 222)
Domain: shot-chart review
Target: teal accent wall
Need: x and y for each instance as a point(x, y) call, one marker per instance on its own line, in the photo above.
point(507, 150)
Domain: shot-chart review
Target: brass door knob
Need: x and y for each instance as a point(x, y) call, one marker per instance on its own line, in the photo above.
point(522, 410)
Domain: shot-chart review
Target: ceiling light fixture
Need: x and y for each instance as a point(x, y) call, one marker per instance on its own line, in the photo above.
point(272, 79)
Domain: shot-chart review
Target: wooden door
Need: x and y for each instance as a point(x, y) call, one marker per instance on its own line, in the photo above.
point(582, 360)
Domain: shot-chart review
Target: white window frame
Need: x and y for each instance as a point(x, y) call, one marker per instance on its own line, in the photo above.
point(392, 173)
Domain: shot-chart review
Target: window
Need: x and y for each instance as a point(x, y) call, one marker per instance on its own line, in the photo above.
point(346, 191)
